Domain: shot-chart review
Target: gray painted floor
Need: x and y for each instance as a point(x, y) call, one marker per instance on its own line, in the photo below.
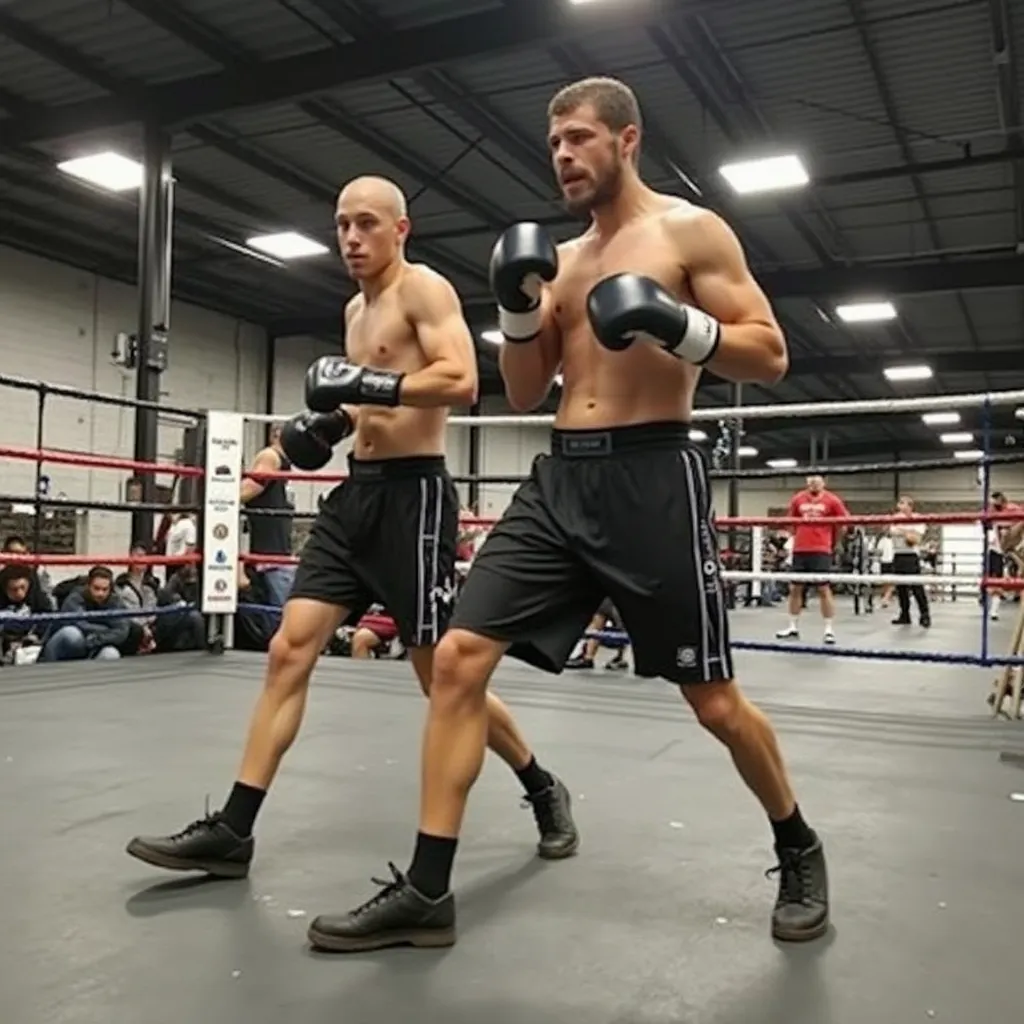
point(662, 917)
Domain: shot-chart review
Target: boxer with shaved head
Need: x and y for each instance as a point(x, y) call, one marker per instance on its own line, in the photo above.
point(386, 535)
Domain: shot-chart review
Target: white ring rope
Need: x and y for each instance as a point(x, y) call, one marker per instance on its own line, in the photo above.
point(786, 410)
point(959, 580)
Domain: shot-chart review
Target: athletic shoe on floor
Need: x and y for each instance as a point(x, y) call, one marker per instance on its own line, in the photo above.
point(580, 662)
point(901, 621)
point(801, 911)
point(788, 634)
point(552, 809)
point(208, 845)
point(617, 665)
point(397, 916)
point(829, 637)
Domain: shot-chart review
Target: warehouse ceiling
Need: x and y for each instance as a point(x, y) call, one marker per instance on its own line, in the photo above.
point(906, 113)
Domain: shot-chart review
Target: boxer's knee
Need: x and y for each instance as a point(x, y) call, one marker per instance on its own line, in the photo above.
point(305, 628)
point(462, 665)
point(720, 708)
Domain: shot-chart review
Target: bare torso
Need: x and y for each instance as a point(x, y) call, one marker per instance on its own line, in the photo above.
point(641, 384)
point(381, 334)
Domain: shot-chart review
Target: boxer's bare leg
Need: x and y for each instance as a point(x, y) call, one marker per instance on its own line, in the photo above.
point(221, 844)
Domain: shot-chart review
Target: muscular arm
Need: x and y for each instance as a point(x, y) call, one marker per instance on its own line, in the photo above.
point(752, 347)
point(266, 462)
point(450, 376)
point(528, 368)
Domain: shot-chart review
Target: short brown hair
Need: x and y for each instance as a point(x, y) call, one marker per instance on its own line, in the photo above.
point(613, 101)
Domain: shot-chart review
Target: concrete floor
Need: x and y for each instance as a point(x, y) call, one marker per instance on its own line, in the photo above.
point(662, 918)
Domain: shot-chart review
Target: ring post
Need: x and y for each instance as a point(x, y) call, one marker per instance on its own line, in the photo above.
point(37, 518)
point(986, 524)
point(221, 518)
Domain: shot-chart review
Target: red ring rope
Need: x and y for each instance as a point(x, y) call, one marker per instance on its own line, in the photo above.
point(13, 559)
point(85, 460)
point(859, 520)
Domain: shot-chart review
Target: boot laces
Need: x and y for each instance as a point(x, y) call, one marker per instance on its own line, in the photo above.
point(796, 877)
point(389, 889)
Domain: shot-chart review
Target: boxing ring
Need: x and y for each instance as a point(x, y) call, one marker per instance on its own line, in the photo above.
point(213, 492)
point(662, 914)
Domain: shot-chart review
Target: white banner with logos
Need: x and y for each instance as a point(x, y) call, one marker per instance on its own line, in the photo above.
point(224, 433)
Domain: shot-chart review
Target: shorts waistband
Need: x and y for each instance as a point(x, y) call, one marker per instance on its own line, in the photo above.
point(391, 469)
point(584, 444)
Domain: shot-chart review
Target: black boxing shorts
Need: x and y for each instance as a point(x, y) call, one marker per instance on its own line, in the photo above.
point(387, 536)
point(623, 514)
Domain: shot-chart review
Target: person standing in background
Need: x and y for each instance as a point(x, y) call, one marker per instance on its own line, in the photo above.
point(906, 561)
point(883, 545)
point(270, 519)
point(814, 547)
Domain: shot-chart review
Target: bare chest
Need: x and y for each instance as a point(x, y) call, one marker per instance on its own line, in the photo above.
point(642, 253)
point(382, 336)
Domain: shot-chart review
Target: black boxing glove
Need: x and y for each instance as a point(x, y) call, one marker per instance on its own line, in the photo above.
point(628, 308)
point(308, 439)
point(523, 258)
point(332, 381)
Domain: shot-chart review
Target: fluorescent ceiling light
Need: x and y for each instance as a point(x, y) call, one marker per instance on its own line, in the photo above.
point(287, 245)
point(965, 454)
point(866, 312)
point(493, 335)
point(109, 171)
point(959, 437)
point(940, 419)
point(748, 177)
point(697, 436)
point(905, 373)
point(747, 452)
point(781, 463)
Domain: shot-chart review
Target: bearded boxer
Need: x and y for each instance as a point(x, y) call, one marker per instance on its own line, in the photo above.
point(385, 535)
point(629, 312)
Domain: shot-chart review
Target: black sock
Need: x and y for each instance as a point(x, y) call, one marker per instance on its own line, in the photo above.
point(794, 833)
point(431, 870)
point(534, 778)
point(243, 805)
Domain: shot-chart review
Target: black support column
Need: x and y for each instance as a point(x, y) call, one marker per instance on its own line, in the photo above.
point(156, 212)
point(270, 382)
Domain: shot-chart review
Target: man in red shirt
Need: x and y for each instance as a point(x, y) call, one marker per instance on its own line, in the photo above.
point(813, 547)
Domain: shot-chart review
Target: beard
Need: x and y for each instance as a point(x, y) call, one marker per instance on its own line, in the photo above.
point(605, 190)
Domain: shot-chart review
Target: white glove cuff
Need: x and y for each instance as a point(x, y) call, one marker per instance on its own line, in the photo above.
point(703, 334)
point(520, 326)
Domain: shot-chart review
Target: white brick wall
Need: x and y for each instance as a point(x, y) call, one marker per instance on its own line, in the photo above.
point(57, 324)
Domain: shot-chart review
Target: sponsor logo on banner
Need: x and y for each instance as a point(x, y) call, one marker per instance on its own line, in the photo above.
point(221, 512)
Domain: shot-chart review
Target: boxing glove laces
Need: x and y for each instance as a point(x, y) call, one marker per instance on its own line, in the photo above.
point(333, 380)
point(523, 258)
point(628, 308)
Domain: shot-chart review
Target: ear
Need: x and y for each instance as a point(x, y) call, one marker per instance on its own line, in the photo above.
point(404, 228)
point(630, 137)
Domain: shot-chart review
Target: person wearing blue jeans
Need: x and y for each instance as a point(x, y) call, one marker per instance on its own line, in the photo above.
point(83, 638)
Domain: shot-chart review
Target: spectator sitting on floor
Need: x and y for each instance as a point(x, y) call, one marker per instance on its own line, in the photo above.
point(18, 601)
point(183, 630)
point(254, 626)
point(88, 638)
point(41, 585)
point(138, 588)
point(374, 634)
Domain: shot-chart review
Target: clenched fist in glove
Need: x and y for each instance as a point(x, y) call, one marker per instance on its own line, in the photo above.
point(524, 257)
point(628, 308)
point(309, 438)
point(332, 381)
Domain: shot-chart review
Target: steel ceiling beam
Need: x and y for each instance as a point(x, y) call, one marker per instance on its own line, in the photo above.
point(885, 92)
point(193, 31)
point(527, 23)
